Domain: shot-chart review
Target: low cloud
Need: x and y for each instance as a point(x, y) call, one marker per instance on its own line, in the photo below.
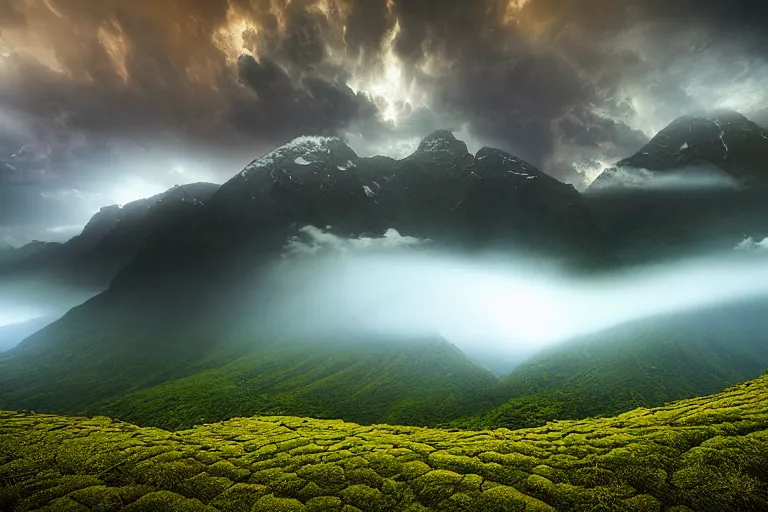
point(502, 303)
point(702, 177)
point(68, 230)
point(311, 240)
point(750, 245)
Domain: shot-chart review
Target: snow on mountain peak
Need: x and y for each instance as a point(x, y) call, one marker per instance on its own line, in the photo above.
point(441, 141)
point(303, 151)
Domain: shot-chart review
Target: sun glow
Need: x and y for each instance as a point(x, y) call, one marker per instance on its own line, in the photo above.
point(385, 80)
point(512, 10)
point(230, 39)
point(132, 189)
point(16, 42)
point(115, 44)
point(10, 314)
point(389, 86)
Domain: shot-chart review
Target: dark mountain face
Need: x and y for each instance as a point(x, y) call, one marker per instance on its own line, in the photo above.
point(440, 189)
point(727, 140)
point(699, 184)
point(187, 296)
point(179, 317)
point(108, 242)
point(441, 192)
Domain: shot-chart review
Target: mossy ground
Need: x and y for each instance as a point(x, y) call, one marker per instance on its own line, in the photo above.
point(708, 453)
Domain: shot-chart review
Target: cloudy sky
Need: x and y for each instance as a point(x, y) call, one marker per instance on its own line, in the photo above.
point(105, 101)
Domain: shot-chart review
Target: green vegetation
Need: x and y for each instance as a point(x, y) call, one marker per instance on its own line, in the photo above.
point(643, 364)
point(174, 385)
point(211, 371)
point(419, 383)
point(707, 453)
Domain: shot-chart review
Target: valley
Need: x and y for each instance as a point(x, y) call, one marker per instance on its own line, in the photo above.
point(249, 340)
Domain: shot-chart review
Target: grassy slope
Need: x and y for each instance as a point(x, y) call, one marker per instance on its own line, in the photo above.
point(418, 383)
point(643, 364)
point(188, 379)
point(708, 453)
point(176, 368)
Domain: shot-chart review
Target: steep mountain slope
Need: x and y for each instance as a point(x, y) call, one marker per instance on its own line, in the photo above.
point(11, 335)
point(414, 382)
point(189, 293)
point(700, 183)
point(107, 243)
point(645, 363)
point(440, 192)
point(707, 454)
point(725, 139)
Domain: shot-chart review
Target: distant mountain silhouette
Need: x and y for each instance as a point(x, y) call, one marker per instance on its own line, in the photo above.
point(107, 243)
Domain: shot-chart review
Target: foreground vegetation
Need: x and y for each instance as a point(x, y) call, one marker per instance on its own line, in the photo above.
point(422, 383)
point(708, 453)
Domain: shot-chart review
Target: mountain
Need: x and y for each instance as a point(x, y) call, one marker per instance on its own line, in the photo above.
point(191, 292)
point(11, 335)
point(645, 363)
point(724, 139)
point(699, 184)
point(108, 242)
point(440, 192)
point(178, 336)
point(413, 382)
point(33, 250)
point(708, 453)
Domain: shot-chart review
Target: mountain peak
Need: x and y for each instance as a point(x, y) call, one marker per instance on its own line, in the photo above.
point(716, 122)
point(723, 138)
point(305, 150)
point(197, 193)
point(442, 142)
point(719, 115)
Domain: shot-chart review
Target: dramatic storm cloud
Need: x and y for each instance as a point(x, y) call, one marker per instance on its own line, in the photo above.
point(102, 101)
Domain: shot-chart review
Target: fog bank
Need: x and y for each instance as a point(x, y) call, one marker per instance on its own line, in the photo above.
point(403, 287)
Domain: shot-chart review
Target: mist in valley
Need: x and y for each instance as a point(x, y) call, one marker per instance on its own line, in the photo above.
point(490, 305)
point(28, 304)
point(701, 177)
point(497, 307)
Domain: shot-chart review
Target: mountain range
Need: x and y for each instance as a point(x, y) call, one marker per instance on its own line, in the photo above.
point(170, 335)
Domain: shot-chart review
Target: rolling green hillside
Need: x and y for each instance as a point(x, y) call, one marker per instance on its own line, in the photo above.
point(414, 383)
point(187, 379)
point(641, 364)
point(183, 381)
point(707, 454)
